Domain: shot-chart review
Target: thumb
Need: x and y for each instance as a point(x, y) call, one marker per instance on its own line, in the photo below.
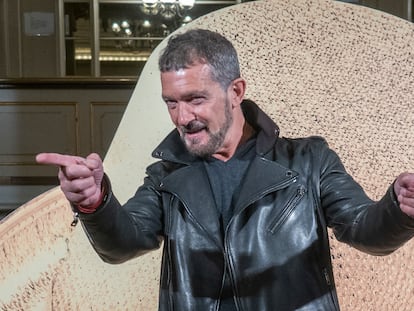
point(95, 164)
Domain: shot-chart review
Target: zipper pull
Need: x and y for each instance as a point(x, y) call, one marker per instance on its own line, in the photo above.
point(327, 277)
point(301, 190)
point(75, 219)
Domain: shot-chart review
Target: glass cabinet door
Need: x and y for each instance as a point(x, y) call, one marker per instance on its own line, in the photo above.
point(127, 37)
point(78, 38)
point(115, 38)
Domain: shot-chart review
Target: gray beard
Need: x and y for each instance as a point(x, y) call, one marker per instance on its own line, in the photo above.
point(215, 139)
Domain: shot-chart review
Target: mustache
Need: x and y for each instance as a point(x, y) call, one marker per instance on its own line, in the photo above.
point(193, 126)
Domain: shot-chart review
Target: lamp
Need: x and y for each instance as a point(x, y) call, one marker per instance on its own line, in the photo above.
point(168, 9)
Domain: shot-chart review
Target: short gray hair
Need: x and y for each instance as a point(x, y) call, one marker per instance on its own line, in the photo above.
point(205, 47)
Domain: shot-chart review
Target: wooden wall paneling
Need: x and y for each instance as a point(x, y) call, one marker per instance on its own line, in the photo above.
point(73, 119)
point(2, 39)
point(27, 128)
point(105, 118)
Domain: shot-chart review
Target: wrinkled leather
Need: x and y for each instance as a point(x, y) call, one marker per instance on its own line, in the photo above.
point(275, 246)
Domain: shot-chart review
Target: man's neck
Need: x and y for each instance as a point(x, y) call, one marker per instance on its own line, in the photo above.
point(247, 132)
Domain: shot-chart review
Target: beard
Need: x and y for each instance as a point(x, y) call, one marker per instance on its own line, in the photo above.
point(215, 140)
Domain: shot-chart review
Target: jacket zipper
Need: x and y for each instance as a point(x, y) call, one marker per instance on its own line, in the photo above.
point(227, 255)
point(169, 265)
point(218, 301)
point(75, 219)
point(330, 284)
point(227, 262)
point(264, 193)
point(288, 209)
point(327, 277)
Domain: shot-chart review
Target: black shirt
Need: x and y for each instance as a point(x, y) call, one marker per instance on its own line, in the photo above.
point(225, 180)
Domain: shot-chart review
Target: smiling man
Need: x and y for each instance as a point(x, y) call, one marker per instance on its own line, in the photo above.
point(202, 111)
point(242, 212)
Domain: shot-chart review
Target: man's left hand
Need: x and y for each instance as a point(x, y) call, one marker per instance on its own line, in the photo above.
point(404, 190)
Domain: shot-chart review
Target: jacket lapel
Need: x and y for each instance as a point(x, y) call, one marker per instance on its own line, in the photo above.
point(263, 176)
point(191, 185)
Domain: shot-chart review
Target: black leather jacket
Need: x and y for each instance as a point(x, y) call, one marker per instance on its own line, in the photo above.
point(276, 244)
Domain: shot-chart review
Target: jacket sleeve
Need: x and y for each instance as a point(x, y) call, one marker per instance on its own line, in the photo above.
point(377, 228)
point(119, 233)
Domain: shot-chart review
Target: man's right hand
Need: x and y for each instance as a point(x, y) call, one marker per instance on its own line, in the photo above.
point(80, 178)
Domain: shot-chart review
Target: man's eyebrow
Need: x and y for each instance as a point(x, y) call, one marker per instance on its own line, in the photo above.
point(187, 95)
point(165, 98)
point(191, 96)
point(195, 94)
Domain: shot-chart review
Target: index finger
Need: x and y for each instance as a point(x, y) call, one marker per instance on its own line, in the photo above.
point(58, 159)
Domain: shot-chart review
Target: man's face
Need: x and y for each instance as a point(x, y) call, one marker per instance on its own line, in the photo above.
point(199, 108)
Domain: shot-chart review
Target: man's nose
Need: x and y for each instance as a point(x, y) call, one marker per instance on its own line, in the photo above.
point(185, 114)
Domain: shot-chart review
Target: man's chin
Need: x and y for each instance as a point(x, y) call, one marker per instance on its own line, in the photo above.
point(192, 142)
point(198, 150)
point(199, 147)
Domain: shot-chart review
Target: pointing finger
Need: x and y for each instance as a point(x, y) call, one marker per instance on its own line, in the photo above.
point(58, 159)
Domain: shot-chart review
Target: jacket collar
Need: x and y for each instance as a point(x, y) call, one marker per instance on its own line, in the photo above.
point(173, 149)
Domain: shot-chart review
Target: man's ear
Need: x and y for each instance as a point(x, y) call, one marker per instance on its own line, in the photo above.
point(237, 89)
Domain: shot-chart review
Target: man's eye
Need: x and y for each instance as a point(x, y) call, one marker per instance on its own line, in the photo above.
point(171, 104)
point(197, 100)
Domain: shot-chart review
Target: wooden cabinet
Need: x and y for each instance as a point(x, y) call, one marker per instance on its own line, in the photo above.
point(77, 117)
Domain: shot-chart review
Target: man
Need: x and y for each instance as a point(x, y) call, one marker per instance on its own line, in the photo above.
point(242, 212)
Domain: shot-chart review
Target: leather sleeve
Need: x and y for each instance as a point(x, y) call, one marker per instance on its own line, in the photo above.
point(377, 228)
point(119, 233)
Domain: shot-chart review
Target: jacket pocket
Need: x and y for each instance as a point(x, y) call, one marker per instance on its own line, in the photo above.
point(287, 209)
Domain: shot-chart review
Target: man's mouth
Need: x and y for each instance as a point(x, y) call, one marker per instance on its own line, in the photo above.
point(194, 127)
